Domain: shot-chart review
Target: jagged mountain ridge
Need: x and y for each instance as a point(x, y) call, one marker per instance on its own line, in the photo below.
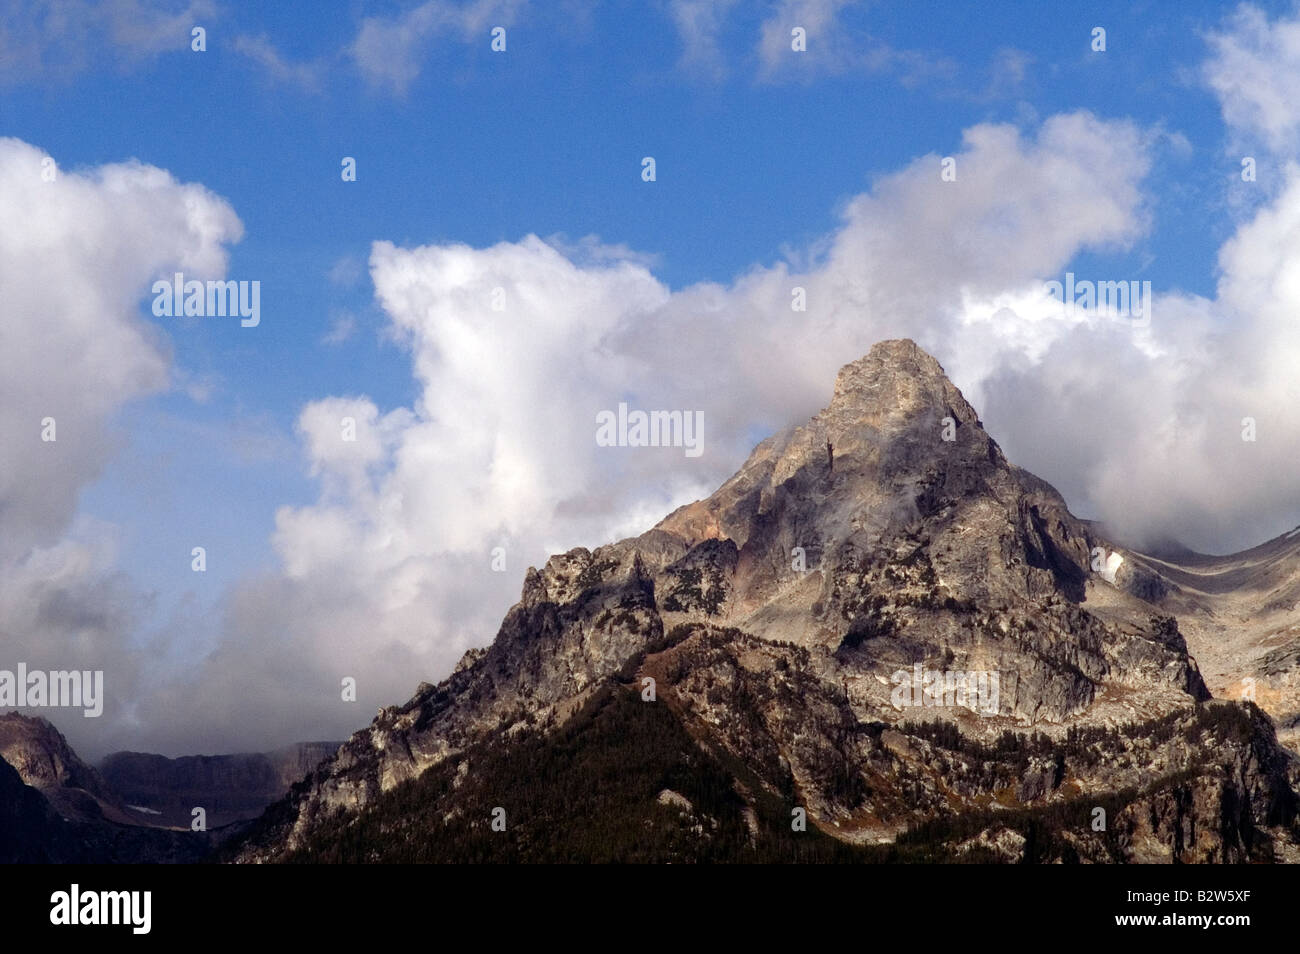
point(915, 549)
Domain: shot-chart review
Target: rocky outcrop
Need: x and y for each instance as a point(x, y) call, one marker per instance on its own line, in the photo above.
point(135, 809)
point(44, 760)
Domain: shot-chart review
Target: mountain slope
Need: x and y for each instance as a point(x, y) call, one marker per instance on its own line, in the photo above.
point(1239, 615)
point(780, 621)
point(31, 832)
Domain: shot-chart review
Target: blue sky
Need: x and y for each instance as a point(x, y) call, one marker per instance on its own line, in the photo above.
point(760, 153)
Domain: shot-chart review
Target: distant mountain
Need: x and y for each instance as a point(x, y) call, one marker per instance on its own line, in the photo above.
point(1239, 614)
point(56, 809)
point(690, 693)
point(137, 807)
point(228, 787)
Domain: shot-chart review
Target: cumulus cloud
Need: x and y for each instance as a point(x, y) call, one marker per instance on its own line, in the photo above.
point(906, 259)
point(78, 253)
point(388, 574)
point(1151, 430)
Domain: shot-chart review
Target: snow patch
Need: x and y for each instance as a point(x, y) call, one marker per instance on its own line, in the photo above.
point(1111, 567)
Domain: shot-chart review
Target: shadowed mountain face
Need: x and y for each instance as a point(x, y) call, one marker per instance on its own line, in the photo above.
point(45, 761)
point(31, 832)
point(879, 622)
point(55, 809)
point(229, 787)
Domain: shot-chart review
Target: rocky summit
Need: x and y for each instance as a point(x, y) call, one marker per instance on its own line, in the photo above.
point(879, 640)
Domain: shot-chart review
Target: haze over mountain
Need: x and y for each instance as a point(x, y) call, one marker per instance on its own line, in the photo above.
point(230, 787)
point(58, 809)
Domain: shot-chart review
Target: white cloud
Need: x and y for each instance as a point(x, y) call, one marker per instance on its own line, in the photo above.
point(305, 75)
point(390, 51)
point(1007, 72)
point(1145, 430)
point(59, 38)
point(698, 24)
point(345, 272)
point(387, 576)
point(343, 326)
point(832, 47)
point(819, 19)
point(77, 257)
point(1254, 68)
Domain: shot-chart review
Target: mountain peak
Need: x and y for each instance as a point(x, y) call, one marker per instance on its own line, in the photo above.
point(896, 355)
point(885, 535)
point(896, 380)
point(896, 437)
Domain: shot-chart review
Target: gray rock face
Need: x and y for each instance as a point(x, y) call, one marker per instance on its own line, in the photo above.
point(45, 761)
point(783, 619)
